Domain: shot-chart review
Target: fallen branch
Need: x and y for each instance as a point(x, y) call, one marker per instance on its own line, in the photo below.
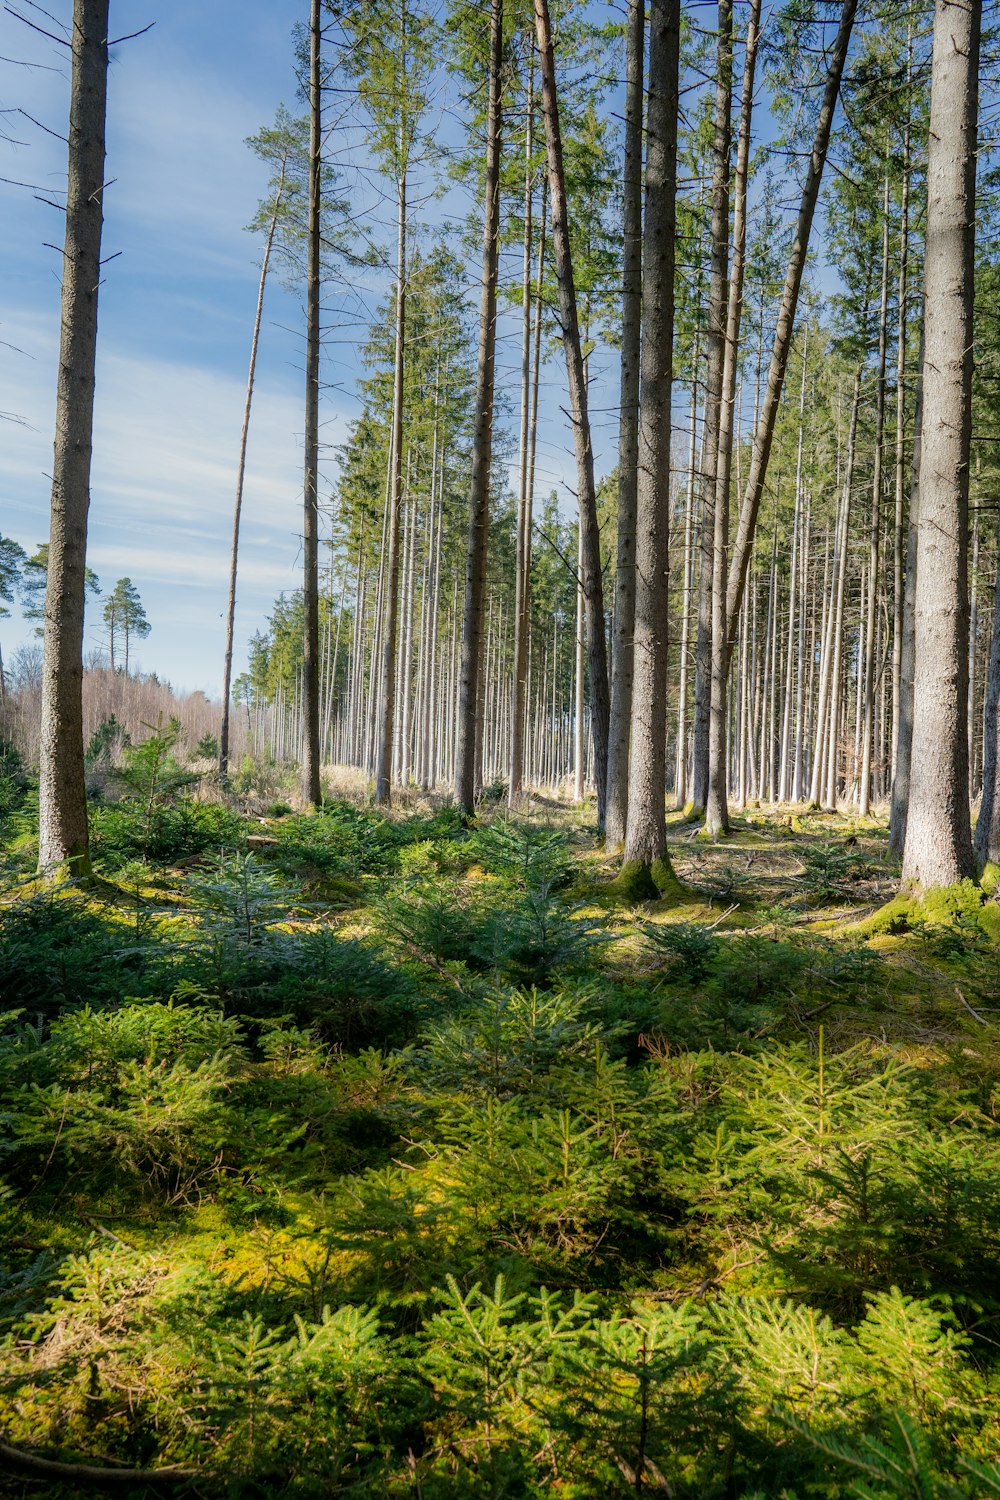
point(33, 1463)
point(727, 913)
point(981, 1019)
point(102, 1229)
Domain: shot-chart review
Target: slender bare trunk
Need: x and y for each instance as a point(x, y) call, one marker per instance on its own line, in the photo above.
point(628, 432)
point(311, 789)
point(900, 472)
point(716, 799)
point(593, 583)
point(987, 841)
point(62, 811)
point(227, 670)
point(468, 727)
point(687, 592)
point(874, 533)
point(764, 435)
point(383, 766)
point(522, 576)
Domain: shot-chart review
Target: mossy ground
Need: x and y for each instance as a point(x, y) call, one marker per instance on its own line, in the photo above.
point(373, 1063)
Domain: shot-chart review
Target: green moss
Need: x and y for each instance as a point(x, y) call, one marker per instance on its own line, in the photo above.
point(637, 882)
point(634, 882)
point(340, 890)
point(989, 920)
point(942, 906)
point(990, 877)
point(668, 886)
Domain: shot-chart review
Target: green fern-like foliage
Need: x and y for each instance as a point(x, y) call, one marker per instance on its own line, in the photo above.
point(901, 1461)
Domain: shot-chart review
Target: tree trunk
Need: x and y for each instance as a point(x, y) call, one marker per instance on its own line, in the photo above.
point(987, 841)
point(840, 591)
point(227, 670)
point(468, 726)
point(764, 435)
point(794, 602)
point(628, 432)
point(687, 591)
point(579, 738)
point(383, 768)
point(904, 725)
point(970, 719)
point(593, 582)
point(716, 792)
point(311, 789)
point(874, 533)
point(62, 812)
point(938, 849)
point(646, 835)
point(900, 472)
point(522, 577)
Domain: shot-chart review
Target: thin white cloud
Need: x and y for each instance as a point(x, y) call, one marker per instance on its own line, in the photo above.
point(165, 451)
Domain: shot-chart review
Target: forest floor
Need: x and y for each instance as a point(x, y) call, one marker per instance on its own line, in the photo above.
point(379, 1155)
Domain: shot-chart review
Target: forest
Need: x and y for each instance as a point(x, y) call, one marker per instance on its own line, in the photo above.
point(535, 1029)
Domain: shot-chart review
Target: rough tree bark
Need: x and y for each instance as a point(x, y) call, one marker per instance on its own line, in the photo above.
point(646, 865)
point(468, 726)
point(715, 346)
point(903, 743)
point(62, 809)
point(311, 789)
point(522, 575)
point(874, 529)
point(987, 839)
point(900, 464)
point(387, 715)
point(628, 432)
point(938, 848)
point(593, 582)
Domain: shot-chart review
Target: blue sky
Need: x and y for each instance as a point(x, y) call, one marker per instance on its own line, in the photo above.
point(175, 319)
point(174, 323)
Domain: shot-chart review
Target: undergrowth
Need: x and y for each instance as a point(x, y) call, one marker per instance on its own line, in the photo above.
point(351, 1154)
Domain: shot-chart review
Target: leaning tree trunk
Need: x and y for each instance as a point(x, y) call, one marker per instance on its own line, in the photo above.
point(227, 671)
point(938, 848)
point(646, 864)
point(628, 433)
point(311, 789)
point(764, 435)
point(468, 727)
point(62, 802)
point(590, 545)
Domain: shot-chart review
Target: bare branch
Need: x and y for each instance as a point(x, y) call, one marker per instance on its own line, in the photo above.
point(56, 133)
point(40, 29)
point(34, 186)
point(132, 35)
